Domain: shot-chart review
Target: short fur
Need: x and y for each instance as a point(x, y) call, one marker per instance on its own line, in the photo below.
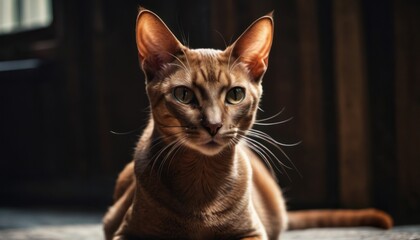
point(194, 175)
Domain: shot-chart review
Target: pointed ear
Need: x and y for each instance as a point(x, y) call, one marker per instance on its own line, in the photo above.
point(253, 46)
point(156, 44)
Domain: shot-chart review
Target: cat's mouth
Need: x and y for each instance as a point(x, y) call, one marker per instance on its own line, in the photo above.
point(212, 144)
point(209, 146)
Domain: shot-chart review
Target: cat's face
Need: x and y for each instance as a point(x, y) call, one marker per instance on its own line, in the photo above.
point(204, 99)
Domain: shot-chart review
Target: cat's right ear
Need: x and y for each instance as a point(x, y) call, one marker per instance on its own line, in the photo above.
point(156, 44)
point(253, 46)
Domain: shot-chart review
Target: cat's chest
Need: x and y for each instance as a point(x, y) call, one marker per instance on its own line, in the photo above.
point(197, 213)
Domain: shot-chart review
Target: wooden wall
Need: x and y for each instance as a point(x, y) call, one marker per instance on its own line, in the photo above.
point(407, 107)
point(346, 71)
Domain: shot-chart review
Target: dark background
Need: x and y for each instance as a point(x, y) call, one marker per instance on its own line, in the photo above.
point(347, 71)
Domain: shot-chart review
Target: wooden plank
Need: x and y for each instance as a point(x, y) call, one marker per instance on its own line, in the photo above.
point(311, 108)
point(407, 92)
point(223, 22)
point(378, 23)
point(351, 87)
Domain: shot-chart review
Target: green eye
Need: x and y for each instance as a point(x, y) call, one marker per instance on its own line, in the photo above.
point(235, 95)
point(183, 94)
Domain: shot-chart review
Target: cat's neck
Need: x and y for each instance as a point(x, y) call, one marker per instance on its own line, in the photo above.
point(189, 177)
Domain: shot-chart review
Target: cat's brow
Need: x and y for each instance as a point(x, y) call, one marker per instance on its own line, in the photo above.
point(205, 90)
point(201, 89)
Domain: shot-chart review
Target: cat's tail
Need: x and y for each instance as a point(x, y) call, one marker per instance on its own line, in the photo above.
point(339, 218)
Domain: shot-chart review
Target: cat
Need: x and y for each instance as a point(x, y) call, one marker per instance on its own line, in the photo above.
point(193, 175)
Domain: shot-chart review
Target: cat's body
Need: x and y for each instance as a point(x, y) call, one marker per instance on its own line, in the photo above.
point(206, 199)
point(194, 175)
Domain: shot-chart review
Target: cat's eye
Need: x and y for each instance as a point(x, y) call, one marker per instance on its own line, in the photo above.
point(235, 95)
point(183, 94)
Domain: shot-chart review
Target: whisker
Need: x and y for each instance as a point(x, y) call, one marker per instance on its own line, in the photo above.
point(263, 135)
point(221, 36)
point(268, 150)
point(126, 133)
point(230, 57)
point(267, 138)
point(289, 159)
point(177, 65)
point(180, 146)
point(181, 29)
point(273, 123)
point(235, 63)
point(158, 140)
point(188, 70)
point(186, 58)
point(263, 156)
point(266, 158)
point(173, 148)
point(155, 157)
point(269, 118)
point(269, 153)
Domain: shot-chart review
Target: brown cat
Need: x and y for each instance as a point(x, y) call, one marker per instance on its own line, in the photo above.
point(194, 175)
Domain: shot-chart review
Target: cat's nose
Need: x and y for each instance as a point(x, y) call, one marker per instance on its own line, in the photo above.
point(212, 128)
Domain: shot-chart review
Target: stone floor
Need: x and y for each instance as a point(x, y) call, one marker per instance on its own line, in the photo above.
point(18, 224)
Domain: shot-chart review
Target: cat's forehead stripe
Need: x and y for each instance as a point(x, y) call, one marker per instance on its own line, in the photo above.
point(201, 89)
point(208, 74)
point(204, 75)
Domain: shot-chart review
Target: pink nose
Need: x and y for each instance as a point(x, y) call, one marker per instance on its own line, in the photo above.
point(212, 128)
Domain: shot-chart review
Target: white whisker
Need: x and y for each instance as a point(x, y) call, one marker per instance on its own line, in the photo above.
point(264, 157)
point(186, 58)
point(268, 150)
point(230, 57)
point(172, 150)
point(158, 140)
point(180, 146)
point(155, 157)
point(273, 123)
point(188, 70)
point(267, 138)
point(269, 118)
point(235, 63)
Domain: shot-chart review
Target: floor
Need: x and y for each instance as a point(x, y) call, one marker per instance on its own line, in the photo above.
point(18, 224)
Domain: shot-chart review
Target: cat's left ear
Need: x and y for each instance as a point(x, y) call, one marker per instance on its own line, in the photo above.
point(253, 46)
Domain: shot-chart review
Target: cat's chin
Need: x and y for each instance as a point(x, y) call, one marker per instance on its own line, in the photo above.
point(209, 148)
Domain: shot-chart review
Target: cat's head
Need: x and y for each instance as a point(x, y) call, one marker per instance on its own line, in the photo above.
point(205, 99)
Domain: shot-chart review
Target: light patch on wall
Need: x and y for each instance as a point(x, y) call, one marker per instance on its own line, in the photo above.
point(23, 15)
